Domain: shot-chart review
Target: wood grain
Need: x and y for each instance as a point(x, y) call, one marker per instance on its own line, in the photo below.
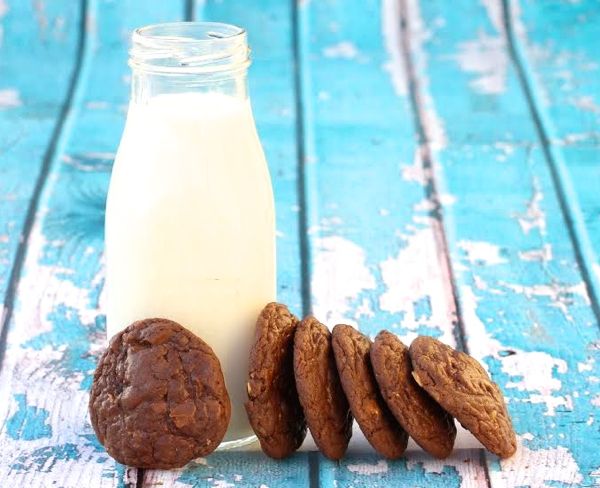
point(526, 309)
point(57, 329)
point(555, 51)
point(376, 243)
point(41, 39)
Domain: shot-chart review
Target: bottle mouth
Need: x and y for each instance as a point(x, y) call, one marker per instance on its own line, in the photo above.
point(189, 48)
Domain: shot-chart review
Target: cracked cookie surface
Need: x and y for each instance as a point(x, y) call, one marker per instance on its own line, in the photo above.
point(273, 406)
point(463, 388)
point(425, 421)
point(319, 389)
point(158, 399)
point(384, 433)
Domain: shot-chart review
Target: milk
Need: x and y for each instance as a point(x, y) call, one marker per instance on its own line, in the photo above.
point(190, 233)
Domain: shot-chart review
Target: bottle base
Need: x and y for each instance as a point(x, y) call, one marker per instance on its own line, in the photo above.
point(244, 441)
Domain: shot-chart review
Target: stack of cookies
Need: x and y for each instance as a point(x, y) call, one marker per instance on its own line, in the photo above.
point(302, 375)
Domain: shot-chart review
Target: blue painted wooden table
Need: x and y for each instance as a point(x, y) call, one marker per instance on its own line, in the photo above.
point(436, 169)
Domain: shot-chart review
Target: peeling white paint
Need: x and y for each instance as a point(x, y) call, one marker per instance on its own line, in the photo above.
point(575, 138)
point(368, 469)
point(414, 274)
point(516, 21)
point(364, 309)
point(481, 252)
point(586, 366)
point(560, 295)
point(494, 12)
point(544, 254)
point(553, 402)
point(534, 217)
point(415, 171)
point(506, 150)
point(10, 98)
point(534, 468)
point(344, 50)
point(464, 461)
point(487, 57)
point(432, 123)
point(446, 199)
point(390, 13)
point(328, 223)
point(43, 287)
point(479, 282)
point(586, 103)
point(222, 484)
point(425, 205)
point(340, 275)
point(536, 370)
point(481, 344)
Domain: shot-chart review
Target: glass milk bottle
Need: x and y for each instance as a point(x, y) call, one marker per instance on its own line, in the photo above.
point(190, 232)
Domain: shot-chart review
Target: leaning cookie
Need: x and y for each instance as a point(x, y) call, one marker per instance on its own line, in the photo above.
point(319, 389)
point(158, 398)
point(463, 388)
point(351, 350)
point(273, 407)
point(424, 420)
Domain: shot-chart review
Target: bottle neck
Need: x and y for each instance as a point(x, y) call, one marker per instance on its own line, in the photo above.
point(184, 57)
point(145, 85)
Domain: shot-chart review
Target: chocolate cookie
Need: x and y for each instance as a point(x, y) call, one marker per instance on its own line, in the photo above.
point(424, 420)
point(319, 389)
point(464, 389)
point(273, 407)
point(351, 350)
point(158, 399)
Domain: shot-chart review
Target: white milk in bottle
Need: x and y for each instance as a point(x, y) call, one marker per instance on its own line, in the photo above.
point(190, 232)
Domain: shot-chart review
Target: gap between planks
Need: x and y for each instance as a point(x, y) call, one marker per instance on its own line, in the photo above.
point(34, 202)
point(305, 254)
point(427, 159)
point(189, 12)
point(560, 180)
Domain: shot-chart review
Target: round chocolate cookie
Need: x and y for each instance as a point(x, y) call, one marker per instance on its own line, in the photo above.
point(424, 420)
point(158, 399)
point(351, 350)
point(463, 388)
point(319, 389)
point(273, 407)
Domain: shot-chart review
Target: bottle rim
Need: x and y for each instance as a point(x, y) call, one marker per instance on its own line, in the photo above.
point(189, 48)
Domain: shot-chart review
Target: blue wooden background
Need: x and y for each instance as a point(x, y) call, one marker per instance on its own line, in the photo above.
point(436, 168)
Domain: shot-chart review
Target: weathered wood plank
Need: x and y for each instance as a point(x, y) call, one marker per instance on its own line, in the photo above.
point(524, 303)
point(462, 469)
point(271, 79)
point(234, 469)
point(556, 50)
point(57, 329)
point(40, 38)
point(376, 246)
point(373, 238)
